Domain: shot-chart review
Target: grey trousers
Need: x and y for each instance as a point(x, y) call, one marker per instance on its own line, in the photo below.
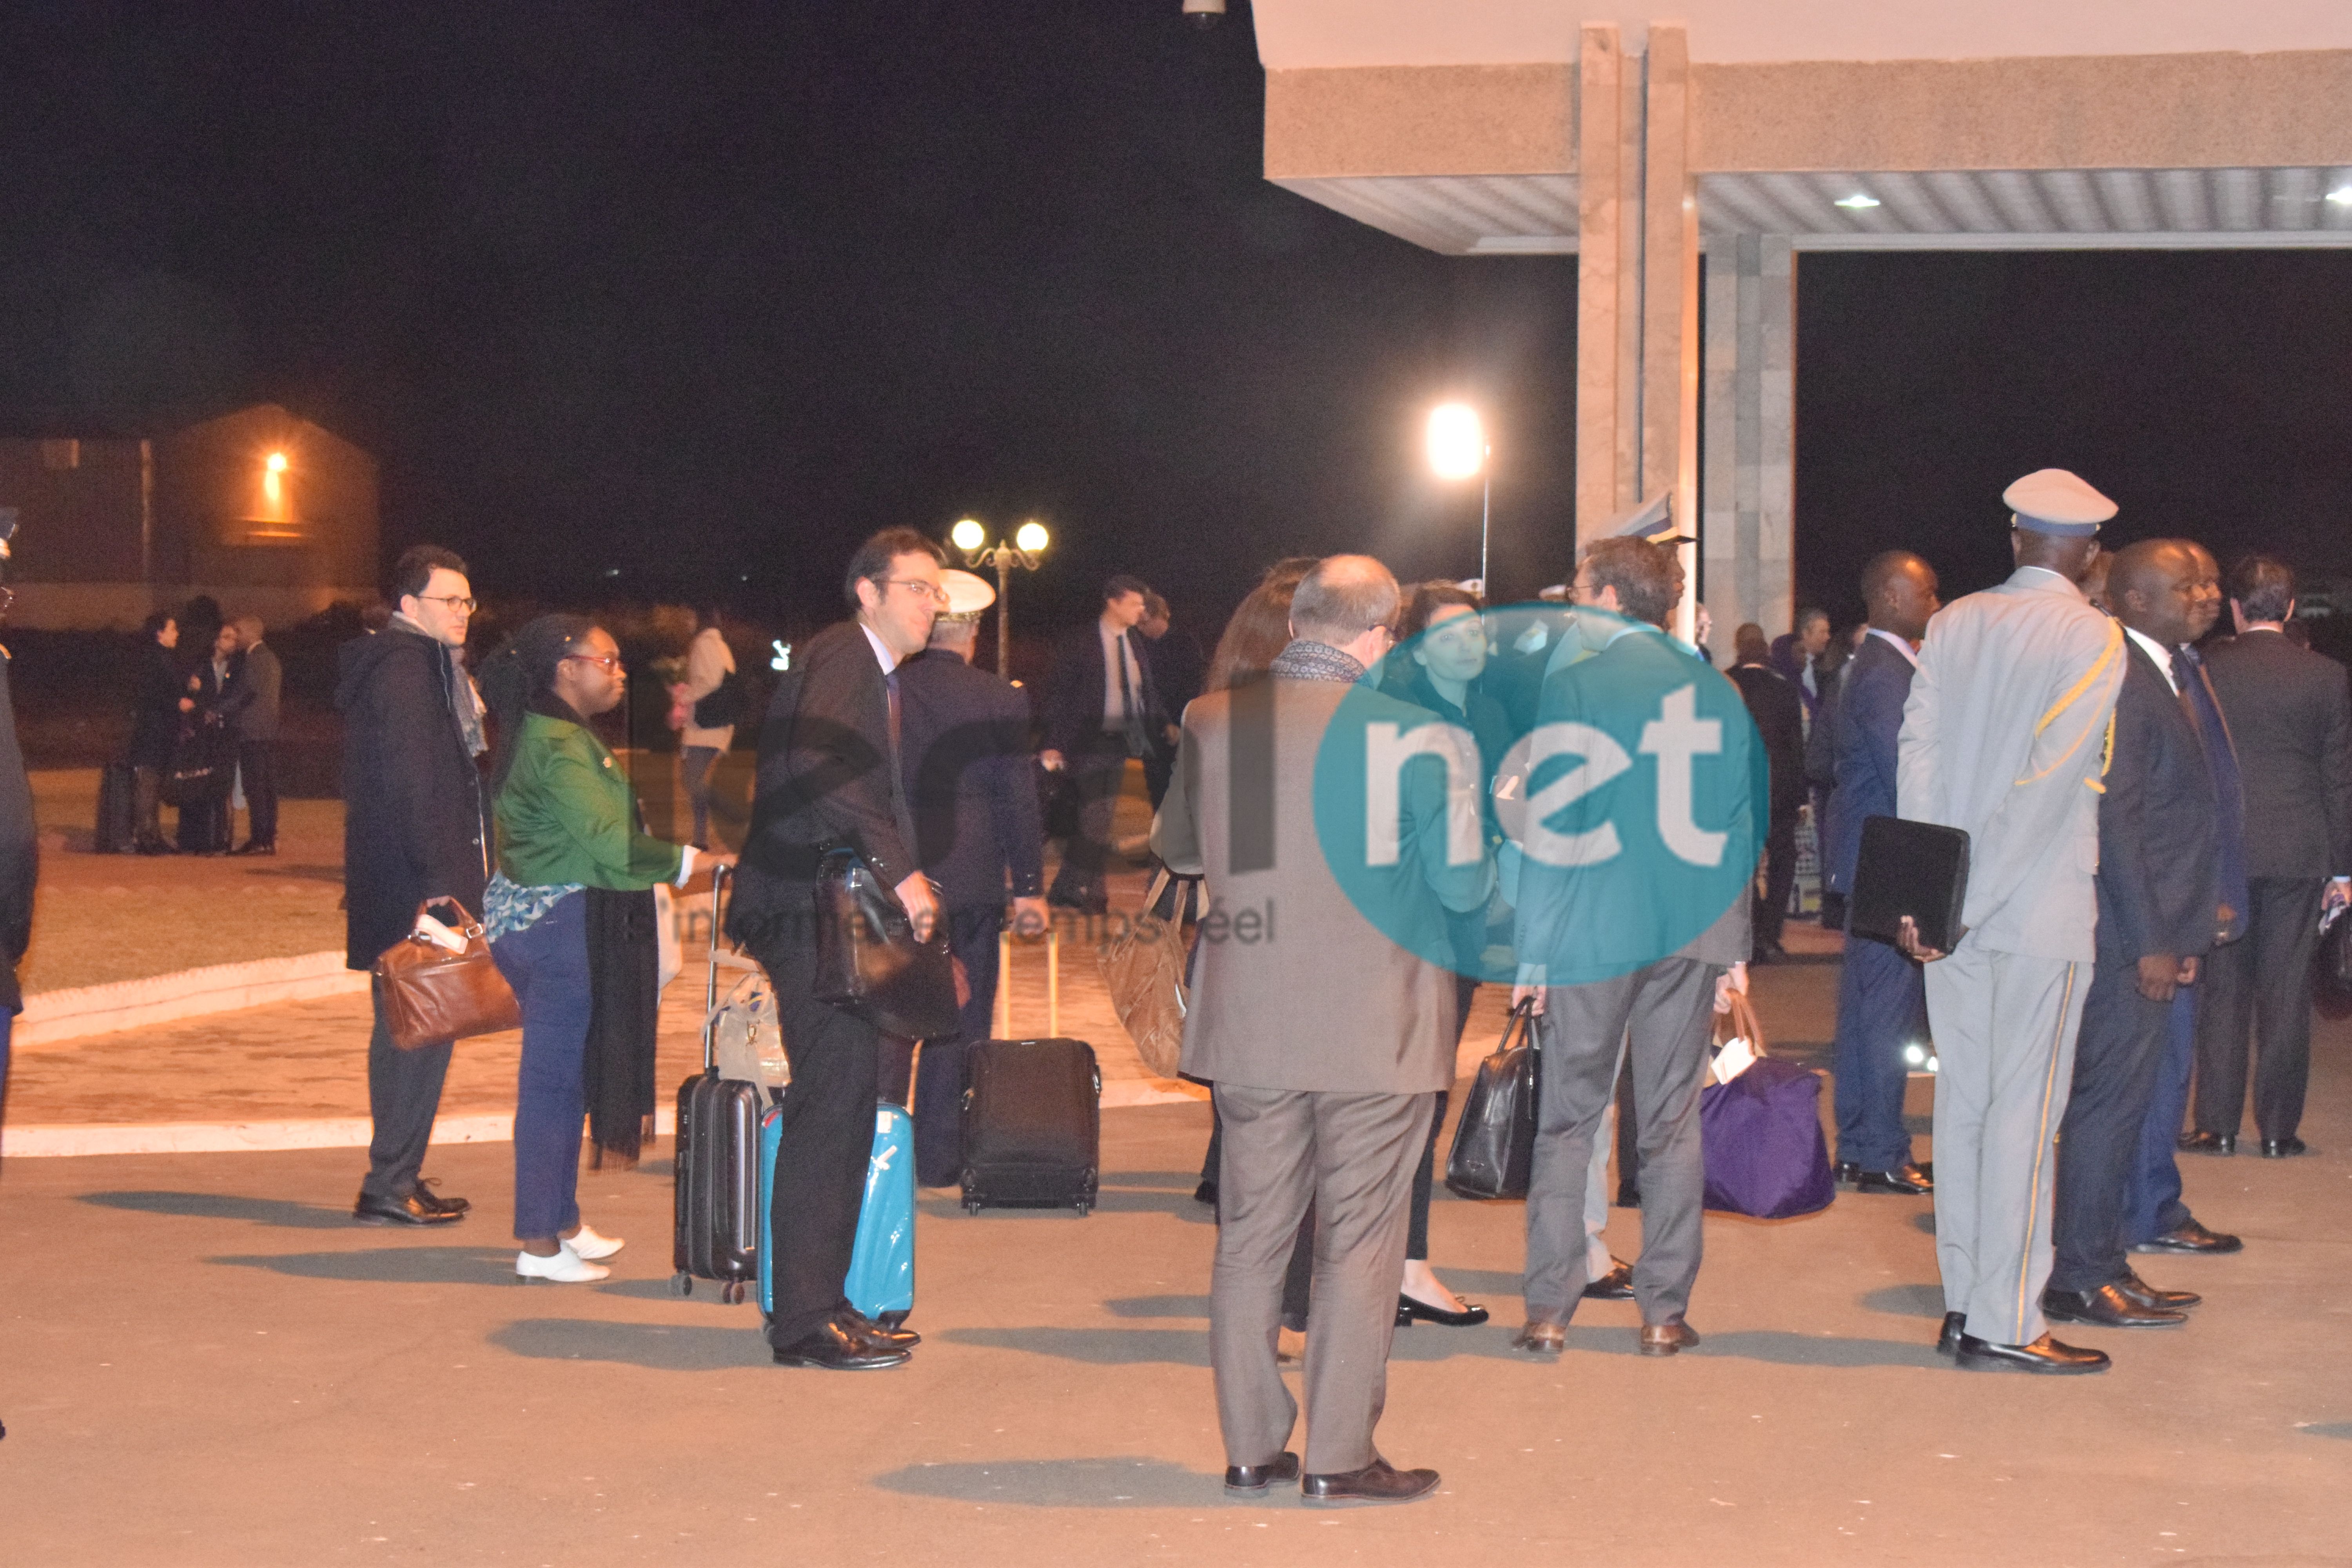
point(404, 1097)
point(1659, 1016)
point(2004, 1025)
point(1352, 1155)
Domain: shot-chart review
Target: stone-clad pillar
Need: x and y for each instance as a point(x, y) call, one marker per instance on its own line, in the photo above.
point(1608, 431)
point(1750, 411)
point(1670, 313)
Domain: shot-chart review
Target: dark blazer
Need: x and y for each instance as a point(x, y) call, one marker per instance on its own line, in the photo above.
point(416, 819)
point(1776, 703)
point(826, 781)
point(155, 720)
point(1864, 720)
point(972, 785)
point(1177, 667)
point(20, 852)
point(2159, 862)
point(250, 704)
point(1074, 692)
point(2289, 714)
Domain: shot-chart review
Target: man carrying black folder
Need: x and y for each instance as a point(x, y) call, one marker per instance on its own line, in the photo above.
point(2004, 737)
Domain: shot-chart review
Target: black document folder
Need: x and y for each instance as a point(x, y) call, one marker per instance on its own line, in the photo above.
point(1914, 868)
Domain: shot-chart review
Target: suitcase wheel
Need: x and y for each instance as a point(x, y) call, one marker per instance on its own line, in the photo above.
point(971, 1205)
point(732, 1292)
point(681, 1283)
point(1082, 1210)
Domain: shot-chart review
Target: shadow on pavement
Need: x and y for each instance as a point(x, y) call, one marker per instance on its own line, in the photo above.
point(1095, 1347)
point(2329, 1429)
point(1158, 1307)
point(227, 1205)
point(391, 1264)
point(1121, 1482)
point(1906, 1300)
point(655, 1346)
point(705, 1291)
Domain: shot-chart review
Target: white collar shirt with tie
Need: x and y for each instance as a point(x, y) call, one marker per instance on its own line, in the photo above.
point(1119, 659)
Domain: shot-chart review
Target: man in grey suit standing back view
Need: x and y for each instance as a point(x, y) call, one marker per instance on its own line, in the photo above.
point(2005, 735)
point(1326, 1041)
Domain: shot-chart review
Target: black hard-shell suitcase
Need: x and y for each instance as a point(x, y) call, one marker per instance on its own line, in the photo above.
point(715, 1208)
point(1031, 1125)
point(117, 810)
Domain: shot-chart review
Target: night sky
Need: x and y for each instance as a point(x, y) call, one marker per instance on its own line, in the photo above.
point(705, 293)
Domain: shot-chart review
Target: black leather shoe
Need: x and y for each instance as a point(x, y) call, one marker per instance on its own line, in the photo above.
point(2140, 1293)
point(1906, 1179)
point(2189, 1238)
point(1253, 1480)
point(250, 848)
point(2284, 1147)
point(834, 1347)
point(426, 1195)
point(410, 1210)
point(2045, 1355)
point(2108, 1306)
point(1955, 1325)
point(1617, 1285)
point(889, 1336)
point(2208, 1143)
point(1379, 1481)
point(1409, 1311)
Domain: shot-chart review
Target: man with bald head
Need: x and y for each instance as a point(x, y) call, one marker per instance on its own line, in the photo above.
point(1326, 1041)
point(1882, 1000)
point(2160, 909)
point(2004, 736)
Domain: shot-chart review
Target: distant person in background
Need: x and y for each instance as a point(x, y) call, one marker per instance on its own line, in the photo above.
point(1173, 656)
point(204, 756)
point(1796, 655)
point(1776, 705)
point(415, 827)
point(713, 691)
point(251, 706)
point(1100, 710)
point(972, 793)
point(155, 729)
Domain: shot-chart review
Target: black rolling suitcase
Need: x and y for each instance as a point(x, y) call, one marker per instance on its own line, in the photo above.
point(1031, 1125)
point(715, 1208)
point(117, 810)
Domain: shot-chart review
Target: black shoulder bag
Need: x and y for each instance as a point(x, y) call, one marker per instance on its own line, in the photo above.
point(869, 962)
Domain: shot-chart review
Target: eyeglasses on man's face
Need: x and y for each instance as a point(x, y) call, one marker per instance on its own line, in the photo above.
point(459, 603)
point(934, 592)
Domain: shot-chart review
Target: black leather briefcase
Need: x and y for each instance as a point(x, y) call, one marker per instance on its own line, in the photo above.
point(1494, 1142)
point(1914, 868)
point(867, 960)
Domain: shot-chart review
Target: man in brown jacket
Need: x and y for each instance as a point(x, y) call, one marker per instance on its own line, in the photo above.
point(1327, 1040)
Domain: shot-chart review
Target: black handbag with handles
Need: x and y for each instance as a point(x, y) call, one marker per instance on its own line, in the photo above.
point(867, 960)
point(1495, 1142)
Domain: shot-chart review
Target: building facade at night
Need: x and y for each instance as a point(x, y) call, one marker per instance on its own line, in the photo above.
point(266, 511)
point(1690, 163)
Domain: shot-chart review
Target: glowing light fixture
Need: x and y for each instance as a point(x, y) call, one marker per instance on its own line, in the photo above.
point(1458, 441)
point(967, 534)
point(274, 462)
point(1025, 550)
point(1858, 202)
point(2341, 196)
point(1031, 537)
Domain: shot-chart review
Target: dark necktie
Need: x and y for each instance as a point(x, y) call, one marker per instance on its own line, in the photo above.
point(891, 680)
point(1125, 692)
point(2222, 761)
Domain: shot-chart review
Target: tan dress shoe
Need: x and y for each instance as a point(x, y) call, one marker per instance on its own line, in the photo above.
point(1666, 1339)
point(1543, 1339)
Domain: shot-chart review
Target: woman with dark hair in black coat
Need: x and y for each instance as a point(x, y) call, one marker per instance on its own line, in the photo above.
point(155, 728)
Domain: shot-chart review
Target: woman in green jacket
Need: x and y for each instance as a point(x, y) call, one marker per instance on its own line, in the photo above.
point(566, 822)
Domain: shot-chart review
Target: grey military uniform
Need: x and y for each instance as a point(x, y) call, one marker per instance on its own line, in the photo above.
point(2005, 735)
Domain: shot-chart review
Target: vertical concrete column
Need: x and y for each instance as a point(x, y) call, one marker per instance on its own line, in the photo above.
point(1750, 489)
point(1670, 305)
point(1601, 176)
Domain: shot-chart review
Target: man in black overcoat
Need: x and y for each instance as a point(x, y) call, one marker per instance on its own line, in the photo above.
point(2160, 910)
point(1775, 703)
point(829, 777)
point(415, 827)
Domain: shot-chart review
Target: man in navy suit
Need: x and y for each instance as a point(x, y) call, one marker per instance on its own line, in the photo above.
point(2160, 909)
point(1882, 994)
point(973, 790)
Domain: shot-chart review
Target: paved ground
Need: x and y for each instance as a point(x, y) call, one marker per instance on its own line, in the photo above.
point(208, 1364)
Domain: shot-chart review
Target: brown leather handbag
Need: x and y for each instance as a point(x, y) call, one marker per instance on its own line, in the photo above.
point(430, 994)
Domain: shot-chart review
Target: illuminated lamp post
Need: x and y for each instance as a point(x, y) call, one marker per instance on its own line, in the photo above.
point(1458, 450)
point(1025, 549)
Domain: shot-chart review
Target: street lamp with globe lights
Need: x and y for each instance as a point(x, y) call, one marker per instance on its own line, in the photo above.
point(1025, 549)
point(1458, 450)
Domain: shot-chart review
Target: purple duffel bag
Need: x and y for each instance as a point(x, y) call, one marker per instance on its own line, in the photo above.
point(1762, 1137)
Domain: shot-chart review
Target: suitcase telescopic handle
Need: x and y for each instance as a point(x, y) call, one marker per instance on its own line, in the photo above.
point(718, 875)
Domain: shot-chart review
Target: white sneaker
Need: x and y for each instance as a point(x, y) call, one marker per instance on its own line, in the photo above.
point(566, 1267)
point(590, 1245)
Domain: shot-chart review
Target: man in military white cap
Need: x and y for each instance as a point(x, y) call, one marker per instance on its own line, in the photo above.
point(2005, 736)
